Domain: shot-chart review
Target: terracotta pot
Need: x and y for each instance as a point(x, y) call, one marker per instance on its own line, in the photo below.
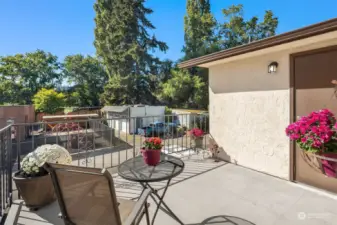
point(151, 157)
point(329, 167)
point(198, 142)
point(36, 191)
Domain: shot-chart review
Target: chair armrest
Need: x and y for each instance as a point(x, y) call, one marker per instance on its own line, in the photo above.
point(138, 208)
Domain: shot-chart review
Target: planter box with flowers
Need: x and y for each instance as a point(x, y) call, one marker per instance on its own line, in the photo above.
point(33, 181)
point(197, 137)
point(151, 151)
point(316, 135)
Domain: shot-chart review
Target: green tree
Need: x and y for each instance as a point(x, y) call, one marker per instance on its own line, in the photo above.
point(237, 31)
point(183, 90)
point(29, 72)
point(199, 27)
point(201, 38)
point(117, 90)
point(48, 100)
point(123, 43)
point(88, 76)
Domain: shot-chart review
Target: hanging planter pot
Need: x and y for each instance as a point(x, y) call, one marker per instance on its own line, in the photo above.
point(329, 164)
point(316, 135)
point(326, 163)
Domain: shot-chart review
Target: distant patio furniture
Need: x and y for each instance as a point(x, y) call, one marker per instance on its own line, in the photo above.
point(136, 170)
point(87, 197)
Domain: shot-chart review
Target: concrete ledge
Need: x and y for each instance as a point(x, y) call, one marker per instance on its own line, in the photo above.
point(14, 212)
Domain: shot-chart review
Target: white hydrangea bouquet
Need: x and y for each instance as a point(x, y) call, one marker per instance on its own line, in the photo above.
point(31, 164)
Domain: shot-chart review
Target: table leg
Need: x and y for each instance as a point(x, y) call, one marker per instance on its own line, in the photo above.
point(165, 209)
point(147, 213)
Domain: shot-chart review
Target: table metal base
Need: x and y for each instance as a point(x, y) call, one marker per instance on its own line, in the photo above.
point(159, 201)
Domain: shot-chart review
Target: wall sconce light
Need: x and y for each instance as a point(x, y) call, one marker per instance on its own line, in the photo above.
point(272, 67)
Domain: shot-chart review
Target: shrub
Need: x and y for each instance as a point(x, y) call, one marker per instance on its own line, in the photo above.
point(168, 115)
point(48, 100)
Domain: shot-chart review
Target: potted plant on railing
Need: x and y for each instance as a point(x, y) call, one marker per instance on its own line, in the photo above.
point(151, 151)
point(33, 181)
point(197, 137)
point(316, 135)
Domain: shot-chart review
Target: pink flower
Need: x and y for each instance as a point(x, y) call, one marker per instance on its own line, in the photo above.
point(315, 131)
point(303, 130)
point(196, 132)
point(316, 144)
point(294, 137)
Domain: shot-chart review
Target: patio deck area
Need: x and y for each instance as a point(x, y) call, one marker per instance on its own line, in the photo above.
point(222, 193)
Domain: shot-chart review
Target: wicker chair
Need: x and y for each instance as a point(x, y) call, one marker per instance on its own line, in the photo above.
point(87, 197)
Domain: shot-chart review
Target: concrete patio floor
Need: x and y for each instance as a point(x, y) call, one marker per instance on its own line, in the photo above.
point(221, 193)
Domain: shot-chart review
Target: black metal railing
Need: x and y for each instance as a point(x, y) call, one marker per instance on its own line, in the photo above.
point(98, 143)
point(107, 142)
point(5, 169)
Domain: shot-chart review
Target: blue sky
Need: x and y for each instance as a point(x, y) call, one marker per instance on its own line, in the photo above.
point(66, 27)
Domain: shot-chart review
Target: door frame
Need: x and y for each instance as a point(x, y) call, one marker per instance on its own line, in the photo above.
point(292, 152)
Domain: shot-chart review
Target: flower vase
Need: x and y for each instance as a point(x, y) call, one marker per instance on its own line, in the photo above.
point(151, 157)
point(198, 142)
point(35, 191)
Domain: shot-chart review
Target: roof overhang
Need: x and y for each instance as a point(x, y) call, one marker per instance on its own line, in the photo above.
point(296, 35)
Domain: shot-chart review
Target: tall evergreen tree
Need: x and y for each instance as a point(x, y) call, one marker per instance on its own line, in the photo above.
point(199, 27)
point(237, 31)
point(200, 39)
point(124, 44)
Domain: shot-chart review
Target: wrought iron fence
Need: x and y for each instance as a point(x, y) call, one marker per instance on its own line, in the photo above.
point(98, 143)
point(109, 141)
point(5, 169)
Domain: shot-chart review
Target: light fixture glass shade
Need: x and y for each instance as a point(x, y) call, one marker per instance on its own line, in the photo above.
point(272, 67)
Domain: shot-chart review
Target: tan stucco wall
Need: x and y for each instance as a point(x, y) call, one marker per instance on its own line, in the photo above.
point(250, 108)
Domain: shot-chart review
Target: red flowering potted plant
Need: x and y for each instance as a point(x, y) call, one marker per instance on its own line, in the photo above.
point(197, 136)
point(317, 134)
point(151, 151)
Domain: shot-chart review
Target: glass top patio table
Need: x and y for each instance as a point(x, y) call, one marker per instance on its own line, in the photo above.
point(135, 169)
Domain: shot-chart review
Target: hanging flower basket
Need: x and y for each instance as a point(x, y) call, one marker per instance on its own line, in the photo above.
point(316, 135)
point(324, 163)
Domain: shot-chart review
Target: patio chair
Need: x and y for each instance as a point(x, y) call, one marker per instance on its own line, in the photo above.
point(87, 197)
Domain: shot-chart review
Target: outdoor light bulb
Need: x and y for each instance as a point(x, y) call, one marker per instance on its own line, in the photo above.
point(272, 67)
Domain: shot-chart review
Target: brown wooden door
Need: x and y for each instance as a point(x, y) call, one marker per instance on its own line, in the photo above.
point(312, 75)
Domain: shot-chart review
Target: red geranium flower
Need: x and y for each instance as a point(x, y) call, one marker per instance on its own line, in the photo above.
point(153, 143)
